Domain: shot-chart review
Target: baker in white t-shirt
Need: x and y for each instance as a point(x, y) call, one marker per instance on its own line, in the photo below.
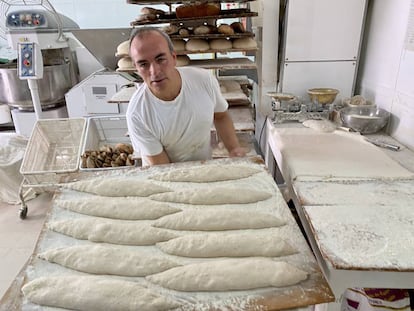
point(171, 114)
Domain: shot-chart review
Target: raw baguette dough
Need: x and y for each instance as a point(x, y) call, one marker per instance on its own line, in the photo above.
point(229, 274)
point(212, 220)
point(117, 187)
point(213, 196)
point(108, 259)
point(208, 173)
point(93, 293)
point(111, 231)
point(325, 126)
point(129, 208)
point(228, 245)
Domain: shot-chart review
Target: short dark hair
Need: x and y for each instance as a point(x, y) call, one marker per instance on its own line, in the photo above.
point(137, 32)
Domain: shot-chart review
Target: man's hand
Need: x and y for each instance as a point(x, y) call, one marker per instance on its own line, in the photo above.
point(237, 152)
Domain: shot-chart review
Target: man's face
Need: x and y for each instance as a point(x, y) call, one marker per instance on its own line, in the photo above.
point(154, 61)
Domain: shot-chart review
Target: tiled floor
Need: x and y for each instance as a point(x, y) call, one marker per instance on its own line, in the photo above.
point(18, 237)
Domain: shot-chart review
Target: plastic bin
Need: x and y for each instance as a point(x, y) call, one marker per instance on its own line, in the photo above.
point(53, 149)
point(105, 130)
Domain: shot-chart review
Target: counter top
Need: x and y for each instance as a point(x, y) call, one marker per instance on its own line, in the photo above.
point(354, 200)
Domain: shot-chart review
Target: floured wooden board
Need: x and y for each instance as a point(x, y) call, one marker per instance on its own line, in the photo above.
point(365, 237)
point(361, 193)
point(339, 155)
point(313, 290)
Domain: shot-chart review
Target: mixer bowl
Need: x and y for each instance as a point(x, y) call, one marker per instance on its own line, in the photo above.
point(364, 119)
point(324, 96)
point(15, 92)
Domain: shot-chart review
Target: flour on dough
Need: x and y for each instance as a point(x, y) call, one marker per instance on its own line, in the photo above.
point(213, 196)
point(323, 125)
point(93, 293)
point(111, 231)
point(228, 245)
point(215, 220)
point(129, 208)
point(208, 173)
point(117, 187)
point(229, 274)
point(108, 259)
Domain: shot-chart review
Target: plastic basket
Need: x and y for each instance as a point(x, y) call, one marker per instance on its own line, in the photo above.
point(104, 130)
point(53, 149)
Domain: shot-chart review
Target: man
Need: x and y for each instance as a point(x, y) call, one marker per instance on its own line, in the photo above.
point(170, 115)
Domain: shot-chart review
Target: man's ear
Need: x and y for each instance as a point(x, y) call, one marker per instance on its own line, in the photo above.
point(174, 56)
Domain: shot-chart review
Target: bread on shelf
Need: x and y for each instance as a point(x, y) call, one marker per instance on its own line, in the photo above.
point(197, 10)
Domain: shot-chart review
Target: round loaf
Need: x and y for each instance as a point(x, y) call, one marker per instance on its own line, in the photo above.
point(238, 27)
point(170, 30)
point(125, 63)
point(202, 30)
point(182, 60)
point(123, 48)
point(149, 10)
point(220, 44)
point(184, 32)
point(244, 43)
point(179, 44)
point(225, 29)
point(195, 45)
point(147, 17)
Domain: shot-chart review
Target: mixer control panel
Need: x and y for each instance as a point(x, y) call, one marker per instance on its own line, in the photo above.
point(30, 61)
point(26, 20)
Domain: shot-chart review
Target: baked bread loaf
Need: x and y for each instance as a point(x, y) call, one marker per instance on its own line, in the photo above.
point(225, 29)
point(197, 10)
point(195, 45)
point(238, 27)
point(170, 30)
point(184, 32)
point(182, 60)
point(202, 30)
point(148, 10)
point(125, 63)
point(179, 45)
point(220, 44)
point(147, 17)
point(122, 49)
point(244, 43)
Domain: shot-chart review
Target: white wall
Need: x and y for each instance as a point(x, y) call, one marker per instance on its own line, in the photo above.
point(98, 14)
point(386, 72)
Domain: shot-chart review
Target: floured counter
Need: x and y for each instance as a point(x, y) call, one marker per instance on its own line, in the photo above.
point(311, 155)
point(355, 202)
point(313, 290)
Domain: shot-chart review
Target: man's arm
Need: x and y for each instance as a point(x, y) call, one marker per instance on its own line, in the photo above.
point(225, 130)
point(161, 158)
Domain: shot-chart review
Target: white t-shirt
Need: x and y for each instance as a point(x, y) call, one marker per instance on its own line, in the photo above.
point(181, 126)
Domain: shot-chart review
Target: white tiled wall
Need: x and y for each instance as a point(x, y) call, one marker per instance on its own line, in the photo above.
point(386, 71)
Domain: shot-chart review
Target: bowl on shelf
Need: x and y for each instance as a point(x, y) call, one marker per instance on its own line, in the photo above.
point(364, 119)
point(324, 96)
point(356, 101)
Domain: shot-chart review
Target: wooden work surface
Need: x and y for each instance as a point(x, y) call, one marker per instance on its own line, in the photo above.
point(355, 201)
point(314, 290)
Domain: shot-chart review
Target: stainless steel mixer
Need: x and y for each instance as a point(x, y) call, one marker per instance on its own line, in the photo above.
point(44, 60)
